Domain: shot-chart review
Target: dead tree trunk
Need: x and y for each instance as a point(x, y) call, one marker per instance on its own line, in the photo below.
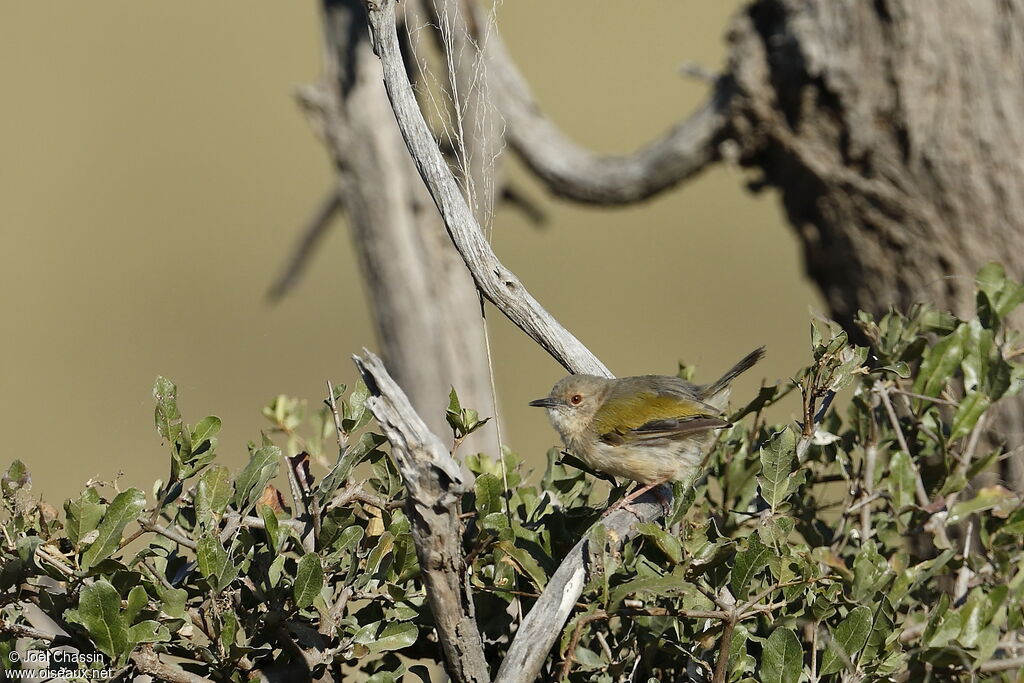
point(424, 303)
point(894, 132)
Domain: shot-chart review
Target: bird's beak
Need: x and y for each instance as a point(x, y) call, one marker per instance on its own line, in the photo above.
point(546, 402)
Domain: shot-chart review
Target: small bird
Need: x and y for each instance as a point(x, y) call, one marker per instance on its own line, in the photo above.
point(651, 429)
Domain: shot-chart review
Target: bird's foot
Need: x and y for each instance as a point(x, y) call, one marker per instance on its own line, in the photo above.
point(624, 503)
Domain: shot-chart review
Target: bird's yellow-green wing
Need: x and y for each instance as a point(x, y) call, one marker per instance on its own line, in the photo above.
point(654, 407)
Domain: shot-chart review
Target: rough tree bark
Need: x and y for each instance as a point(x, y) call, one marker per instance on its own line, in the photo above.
point(894, 132)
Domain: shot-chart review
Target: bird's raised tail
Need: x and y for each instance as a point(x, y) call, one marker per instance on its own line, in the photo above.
point(718, 387)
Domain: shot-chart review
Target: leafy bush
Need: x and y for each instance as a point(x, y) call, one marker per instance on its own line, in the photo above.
point(876, 543)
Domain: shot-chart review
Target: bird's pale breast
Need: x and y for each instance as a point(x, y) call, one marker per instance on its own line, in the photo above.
point(676, 460)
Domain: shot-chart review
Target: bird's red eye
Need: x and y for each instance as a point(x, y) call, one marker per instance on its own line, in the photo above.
point(575, 399)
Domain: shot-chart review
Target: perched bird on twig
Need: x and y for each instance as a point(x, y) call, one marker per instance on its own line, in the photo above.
point(652, 429)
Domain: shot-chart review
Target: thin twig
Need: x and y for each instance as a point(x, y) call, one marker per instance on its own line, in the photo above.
point(922, 494)
point(21, 631)
point(62, 567)
point(867, 485)
point(570, 653)
point(933, 399)
point(339, 432)
point(994, 665)
point(147, 662)
point(167, 533)
point(724, 645)
point(963, 576)
point(311, 236)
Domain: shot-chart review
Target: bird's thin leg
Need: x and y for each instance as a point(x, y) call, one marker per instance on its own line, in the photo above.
point(625, 502)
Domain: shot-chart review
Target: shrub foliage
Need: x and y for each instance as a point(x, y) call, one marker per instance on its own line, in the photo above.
point(872, 540)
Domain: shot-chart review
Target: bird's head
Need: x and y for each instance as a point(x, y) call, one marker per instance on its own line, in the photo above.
point(573, 402)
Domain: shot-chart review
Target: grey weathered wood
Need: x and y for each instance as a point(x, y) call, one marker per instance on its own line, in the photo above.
point(496, 282)
point(895, 132)
point(574, 172)
point(434, 486)
point(543, 625)
point(424, 304)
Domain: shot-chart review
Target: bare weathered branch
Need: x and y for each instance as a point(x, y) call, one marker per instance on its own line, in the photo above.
point(422, 298)
point(517, 199)
point(576, 173)
point(1002, 665)
point(309, 239)
point(496, 282)
point(22, 631)
point(434, 485)
point(543, 624)
point(147, 662)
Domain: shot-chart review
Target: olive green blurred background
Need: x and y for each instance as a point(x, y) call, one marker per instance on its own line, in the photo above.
point(155, 173)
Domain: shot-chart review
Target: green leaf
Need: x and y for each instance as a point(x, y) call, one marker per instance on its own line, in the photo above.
point(168, 419)
point(656, 585)
point(870, 572)
point(453, 402)
point(261, 468)
point(276, 570)
point(666, 542)
point(996, 498)
point(776, 466)
point(395, 636)
point(83, 515)
point(971, 408)
point(525, 561)
point(1004, 294)
point(356, 415)
point(207, 428)
point(137, 599)
point(271, 526)
point(148, 631)
point(940, 362)
point(228, 629)
point(125, 508)
point(847, 640)
point(463, 421)
point(213, 492)
point(943, 624)
point(172, 601)
point(898, 368)
point(974, 615)
point(783, 657)
point(215, 563)
point(902, 480)
point(99, 611)
point(350, 537)
point(748, 563)
point(15, 479)
point(309, 580)
point(488, 494)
